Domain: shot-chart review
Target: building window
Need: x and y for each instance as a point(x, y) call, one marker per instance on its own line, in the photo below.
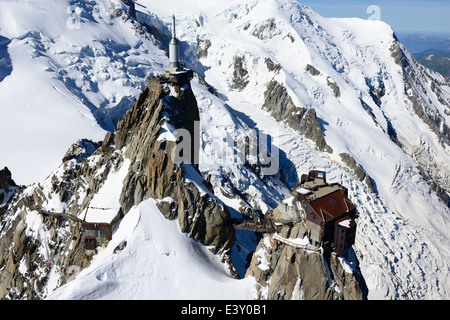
point(100, 233)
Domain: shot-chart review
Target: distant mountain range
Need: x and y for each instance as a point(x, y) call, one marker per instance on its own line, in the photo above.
point(431, 51)
point(435, 59)
point(417, 43)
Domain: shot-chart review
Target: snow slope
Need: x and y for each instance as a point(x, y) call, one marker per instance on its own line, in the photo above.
point(398, 258)
point(159, 262)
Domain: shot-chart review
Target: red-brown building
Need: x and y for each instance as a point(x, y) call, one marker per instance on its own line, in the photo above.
point(327, 211)
point(98, 226)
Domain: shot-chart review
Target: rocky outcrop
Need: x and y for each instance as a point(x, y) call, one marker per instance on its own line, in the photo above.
point(280, 105)
point(33, 245)
point(81, 150)
point(127, 9)
point(415, 88)
point(359, 172)
point(283, 272)
point(202, 49)
point(419, 85)
point(266, 30)
point(28, 255)
point(240, 75)
point(312, 70)
point(7, 187)
point(271, 66)
point(333, 85)
point(153, 173)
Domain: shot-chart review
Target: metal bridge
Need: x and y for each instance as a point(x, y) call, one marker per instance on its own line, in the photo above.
point(270, 227)
point(291, 243)
point(58, 215)
point(252, 226)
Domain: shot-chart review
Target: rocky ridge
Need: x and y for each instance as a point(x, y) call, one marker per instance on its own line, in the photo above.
point(7, 187)
point(304, 120)
point(153, 173)
point(418, 82)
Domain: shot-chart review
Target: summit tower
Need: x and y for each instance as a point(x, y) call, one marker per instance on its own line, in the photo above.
point(176, 73)
point(174, 51)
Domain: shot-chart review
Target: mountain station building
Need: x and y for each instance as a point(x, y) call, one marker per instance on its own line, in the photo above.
point(324, 209)
point(98, 226)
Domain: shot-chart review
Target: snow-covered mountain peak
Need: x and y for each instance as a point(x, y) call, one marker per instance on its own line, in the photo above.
point(82, 63)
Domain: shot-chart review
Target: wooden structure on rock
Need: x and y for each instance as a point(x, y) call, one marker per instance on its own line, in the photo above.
point(98, 226)
point(324, 209)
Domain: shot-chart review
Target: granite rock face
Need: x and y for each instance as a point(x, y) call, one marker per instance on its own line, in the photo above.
point(304, 120)
point(359, 172)
point(153, 173)
point(240, 74)
point(283, 272)
point(33, 246)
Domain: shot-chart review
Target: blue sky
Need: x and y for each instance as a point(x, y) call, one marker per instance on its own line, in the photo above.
point(403, 15)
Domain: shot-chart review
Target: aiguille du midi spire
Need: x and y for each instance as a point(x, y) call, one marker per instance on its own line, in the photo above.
point(176, 71)
point(174, 51)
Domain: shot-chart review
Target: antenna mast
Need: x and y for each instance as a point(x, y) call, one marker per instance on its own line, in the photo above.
point(173, 27)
